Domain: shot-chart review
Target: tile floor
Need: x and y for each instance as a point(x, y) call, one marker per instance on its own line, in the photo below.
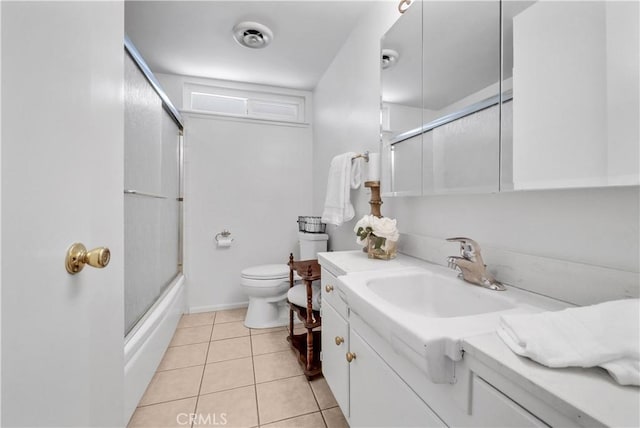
point(226, 375)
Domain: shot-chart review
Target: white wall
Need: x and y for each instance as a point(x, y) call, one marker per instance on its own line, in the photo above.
point(593, 226)
point(251, 178)
point(347, 112)
point(248, 176)
point(0, 210)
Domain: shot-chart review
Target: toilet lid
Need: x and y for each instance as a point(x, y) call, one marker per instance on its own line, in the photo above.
point(266, 272)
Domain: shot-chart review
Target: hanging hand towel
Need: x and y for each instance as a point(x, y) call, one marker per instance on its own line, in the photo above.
point(344, 175)
point(605, 335)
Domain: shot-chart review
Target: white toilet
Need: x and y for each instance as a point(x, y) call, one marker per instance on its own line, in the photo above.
point(267, 285)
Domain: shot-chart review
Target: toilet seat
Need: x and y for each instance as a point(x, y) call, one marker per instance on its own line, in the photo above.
point(266, 272)
point(264, 275)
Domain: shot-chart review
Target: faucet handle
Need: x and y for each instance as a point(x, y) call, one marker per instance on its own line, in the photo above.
point(468, 247)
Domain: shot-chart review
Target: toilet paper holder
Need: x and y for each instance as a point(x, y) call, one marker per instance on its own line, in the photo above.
point(224, 235)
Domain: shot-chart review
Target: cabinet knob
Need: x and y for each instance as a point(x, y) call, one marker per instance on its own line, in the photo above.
point(351, 356)
point(339, 340)
point(328, 288)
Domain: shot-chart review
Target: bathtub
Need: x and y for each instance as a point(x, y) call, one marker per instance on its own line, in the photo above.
point(145, 345)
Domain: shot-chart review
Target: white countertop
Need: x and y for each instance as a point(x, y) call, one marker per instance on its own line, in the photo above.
point(343, 262)
point(573, 391)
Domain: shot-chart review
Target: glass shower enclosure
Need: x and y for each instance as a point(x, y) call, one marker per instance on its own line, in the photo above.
point(152, 190)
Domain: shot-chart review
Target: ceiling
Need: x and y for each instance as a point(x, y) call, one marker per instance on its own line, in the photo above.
point(194, 38)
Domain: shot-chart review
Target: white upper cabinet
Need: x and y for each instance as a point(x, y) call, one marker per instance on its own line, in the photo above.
point(573, 71)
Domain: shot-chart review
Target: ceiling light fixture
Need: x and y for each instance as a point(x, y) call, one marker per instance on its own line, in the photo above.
point(389, 58)
point(252, 35)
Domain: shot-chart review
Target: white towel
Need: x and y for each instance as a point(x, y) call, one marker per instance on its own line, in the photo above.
point(298, 295)
point(605, 335)
point(344, 175)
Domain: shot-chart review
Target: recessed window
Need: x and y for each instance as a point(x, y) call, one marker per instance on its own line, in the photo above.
point(243, 103)
point(273, 110)
point(218, 103)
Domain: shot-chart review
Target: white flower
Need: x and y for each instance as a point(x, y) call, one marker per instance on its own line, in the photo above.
point(361, 229)
point(385, 227)
point(381, 227)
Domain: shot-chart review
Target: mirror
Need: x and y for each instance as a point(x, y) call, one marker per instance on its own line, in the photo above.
point(571, 94)
point(440, 100)
point(401, 74)
point(461, 79)
point(564, 112)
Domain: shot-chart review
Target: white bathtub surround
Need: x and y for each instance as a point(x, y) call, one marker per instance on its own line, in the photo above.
point(147, 343)
point(605, 335)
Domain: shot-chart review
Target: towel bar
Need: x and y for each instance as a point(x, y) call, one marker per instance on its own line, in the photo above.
point(364, 156)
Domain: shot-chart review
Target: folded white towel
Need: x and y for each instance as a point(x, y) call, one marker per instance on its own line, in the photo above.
point(344, 175)
point(298, 295)
point(605, 335)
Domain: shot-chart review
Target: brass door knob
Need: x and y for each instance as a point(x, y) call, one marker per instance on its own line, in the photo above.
point(78, 256)
point(328, 288)
point(339, 340)
point(351, 356)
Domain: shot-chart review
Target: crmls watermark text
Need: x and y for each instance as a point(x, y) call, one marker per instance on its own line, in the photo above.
point(201, 419)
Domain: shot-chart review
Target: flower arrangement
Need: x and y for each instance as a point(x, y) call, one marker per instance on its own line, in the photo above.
point(379, 235)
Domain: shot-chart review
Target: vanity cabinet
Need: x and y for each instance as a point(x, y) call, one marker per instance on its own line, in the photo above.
point(378, 396)
point(335, 341)
point(367, 390)
point(491, 408)
point(387, 384)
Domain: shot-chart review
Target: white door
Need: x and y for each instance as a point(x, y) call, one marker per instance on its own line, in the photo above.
point(62, 175)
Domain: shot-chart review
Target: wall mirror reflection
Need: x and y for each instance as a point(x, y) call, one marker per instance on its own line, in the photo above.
point(461, 79)
point(440, 106)
point(401, 74)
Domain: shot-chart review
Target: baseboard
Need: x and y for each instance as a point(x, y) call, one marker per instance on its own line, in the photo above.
point(214, 308)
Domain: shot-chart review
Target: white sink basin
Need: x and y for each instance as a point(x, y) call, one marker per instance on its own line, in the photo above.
point(427, 294)
point(425, 313)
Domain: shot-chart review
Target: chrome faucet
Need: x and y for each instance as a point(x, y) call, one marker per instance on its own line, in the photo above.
point(471, 265)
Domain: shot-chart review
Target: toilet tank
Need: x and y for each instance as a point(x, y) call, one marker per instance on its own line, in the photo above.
point(311, 244)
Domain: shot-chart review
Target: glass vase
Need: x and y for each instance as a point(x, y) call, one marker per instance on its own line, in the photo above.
point(387, 250)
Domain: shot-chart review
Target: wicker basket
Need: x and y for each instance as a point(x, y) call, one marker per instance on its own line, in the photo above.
point(310, 224)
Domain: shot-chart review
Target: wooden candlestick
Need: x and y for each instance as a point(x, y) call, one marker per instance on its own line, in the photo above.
point(375, 201)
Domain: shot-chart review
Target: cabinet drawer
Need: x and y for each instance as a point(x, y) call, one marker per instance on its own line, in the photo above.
point(492, 408)
point(331, 293)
